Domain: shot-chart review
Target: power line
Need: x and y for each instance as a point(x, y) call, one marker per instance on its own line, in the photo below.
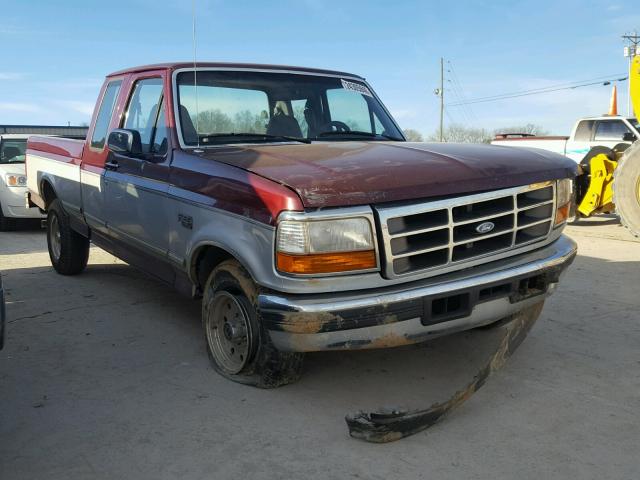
point(553, 88)
point(458, 86)
point(566, 84)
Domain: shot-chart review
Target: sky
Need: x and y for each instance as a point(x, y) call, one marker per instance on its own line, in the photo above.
point(55, 54)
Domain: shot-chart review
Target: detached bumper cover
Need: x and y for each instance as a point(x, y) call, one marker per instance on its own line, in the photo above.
point(417, 311)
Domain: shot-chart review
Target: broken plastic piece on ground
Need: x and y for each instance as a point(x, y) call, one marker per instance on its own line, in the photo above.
point(390, 424)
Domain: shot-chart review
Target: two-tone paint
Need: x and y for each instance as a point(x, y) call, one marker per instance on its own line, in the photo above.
point(164, 215)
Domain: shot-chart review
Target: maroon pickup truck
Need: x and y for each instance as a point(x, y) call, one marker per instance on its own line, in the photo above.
point(289, 201)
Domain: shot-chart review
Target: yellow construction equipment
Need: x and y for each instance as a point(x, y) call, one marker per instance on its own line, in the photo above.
point(599, 196)
point(615, 173)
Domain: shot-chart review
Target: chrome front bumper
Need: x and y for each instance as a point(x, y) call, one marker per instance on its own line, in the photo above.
point(417, 311)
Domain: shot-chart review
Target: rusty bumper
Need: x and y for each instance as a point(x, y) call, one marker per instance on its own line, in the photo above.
point(417, 311)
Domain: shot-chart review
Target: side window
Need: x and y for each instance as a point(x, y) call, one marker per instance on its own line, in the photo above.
point(611, 130)
point(12, 151)
point(104, 114)
point(159, 144)
point(349, 107)
point(142, 110)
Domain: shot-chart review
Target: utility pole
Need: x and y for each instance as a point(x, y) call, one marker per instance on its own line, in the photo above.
point(631, 50)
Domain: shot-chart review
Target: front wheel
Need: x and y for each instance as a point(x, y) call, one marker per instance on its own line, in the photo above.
point(68, 250)
point(238, 346)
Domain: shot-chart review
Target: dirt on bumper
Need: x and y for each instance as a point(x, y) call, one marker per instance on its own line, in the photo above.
point(413, 314)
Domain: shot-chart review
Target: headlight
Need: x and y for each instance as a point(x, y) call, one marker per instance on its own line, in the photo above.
point(325, 246)
point(13, 180)
point(564, 198)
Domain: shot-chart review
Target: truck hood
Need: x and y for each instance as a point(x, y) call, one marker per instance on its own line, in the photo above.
point(328, 174)
point(12, 168)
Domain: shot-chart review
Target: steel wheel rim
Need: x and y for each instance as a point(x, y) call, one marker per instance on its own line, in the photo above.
point(54, 236)
point(228, 332)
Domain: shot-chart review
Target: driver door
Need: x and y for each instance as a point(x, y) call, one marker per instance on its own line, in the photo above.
point(137, 186)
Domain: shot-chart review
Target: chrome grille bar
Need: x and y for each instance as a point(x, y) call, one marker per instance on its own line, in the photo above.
point(446, 235)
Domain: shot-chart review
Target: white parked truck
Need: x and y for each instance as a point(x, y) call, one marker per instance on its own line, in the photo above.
point(606, 131)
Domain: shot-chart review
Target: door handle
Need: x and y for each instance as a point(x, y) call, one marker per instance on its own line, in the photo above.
point(111, 165)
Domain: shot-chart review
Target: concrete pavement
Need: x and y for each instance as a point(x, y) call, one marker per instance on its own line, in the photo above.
point(105, 375)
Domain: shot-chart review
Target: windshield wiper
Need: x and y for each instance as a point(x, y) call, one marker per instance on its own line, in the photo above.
point(358, 133)
point(257, 136)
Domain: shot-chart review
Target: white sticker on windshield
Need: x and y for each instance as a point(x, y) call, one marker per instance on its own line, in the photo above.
point(356, 87)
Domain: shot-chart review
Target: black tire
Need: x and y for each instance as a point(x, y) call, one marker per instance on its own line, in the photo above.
point(626, 189)
point(68, 250)
point(258, 362)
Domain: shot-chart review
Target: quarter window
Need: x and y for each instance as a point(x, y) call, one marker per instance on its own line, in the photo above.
point(104, 114)
point(583, 132)
point(160, 134)
point(142, 110)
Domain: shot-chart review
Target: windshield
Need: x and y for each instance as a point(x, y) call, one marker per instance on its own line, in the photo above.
point(269, 106)
point(12, 151)
point(635, 123)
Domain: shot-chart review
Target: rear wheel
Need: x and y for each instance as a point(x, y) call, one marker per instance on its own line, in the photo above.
point(239, 347)
point(626, 189)
point(68, 250)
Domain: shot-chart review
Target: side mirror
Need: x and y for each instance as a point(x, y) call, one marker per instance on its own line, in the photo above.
point(629, 137)
point(124, 141)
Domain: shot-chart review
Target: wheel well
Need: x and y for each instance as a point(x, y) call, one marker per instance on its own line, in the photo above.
point(206, 258)
point(48, 193)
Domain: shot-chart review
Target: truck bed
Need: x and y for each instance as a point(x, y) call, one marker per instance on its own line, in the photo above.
point(58, 160)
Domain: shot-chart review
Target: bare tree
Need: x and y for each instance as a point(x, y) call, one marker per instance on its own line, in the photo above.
point(413, 135)
point(529, 128)
point(457, 133)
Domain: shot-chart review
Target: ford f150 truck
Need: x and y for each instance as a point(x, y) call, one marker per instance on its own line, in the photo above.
point(288, 199)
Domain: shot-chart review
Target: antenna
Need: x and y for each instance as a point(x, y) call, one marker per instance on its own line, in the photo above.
point(195, 78)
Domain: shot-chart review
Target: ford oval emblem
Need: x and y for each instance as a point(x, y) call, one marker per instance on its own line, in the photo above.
point(485, 227)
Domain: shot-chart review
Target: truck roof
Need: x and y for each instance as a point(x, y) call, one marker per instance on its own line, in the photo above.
point(607, 117)
point(231, 66)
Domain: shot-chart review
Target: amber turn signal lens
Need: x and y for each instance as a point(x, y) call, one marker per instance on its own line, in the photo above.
point(326, 262)
point(562, 214)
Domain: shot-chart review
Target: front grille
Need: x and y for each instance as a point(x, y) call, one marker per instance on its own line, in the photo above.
point(444, 234)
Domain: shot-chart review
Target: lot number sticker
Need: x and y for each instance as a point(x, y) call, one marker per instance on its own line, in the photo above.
point(356, 87)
